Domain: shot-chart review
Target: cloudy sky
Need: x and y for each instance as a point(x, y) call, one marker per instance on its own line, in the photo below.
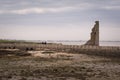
point(58, 19)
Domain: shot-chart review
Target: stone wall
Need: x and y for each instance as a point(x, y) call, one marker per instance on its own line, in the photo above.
point(94, 38)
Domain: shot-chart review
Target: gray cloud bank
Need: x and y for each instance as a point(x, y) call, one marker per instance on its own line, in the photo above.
point(80, 14)
point(46, 6)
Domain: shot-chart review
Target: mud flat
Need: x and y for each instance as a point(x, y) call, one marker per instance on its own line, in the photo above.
point(51, 65)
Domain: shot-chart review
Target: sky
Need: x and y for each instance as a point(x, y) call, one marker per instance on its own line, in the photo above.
point(59, 19)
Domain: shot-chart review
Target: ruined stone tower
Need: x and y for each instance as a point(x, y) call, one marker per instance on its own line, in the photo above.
point(94, 39)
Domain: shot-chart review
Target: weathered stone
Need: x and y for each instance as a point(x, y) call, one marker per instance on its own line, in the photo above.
point(94, 40)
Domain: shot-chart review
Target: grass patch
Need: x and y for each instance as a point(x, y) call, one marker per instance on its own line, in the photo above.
point(48, 52)
point(7, 53)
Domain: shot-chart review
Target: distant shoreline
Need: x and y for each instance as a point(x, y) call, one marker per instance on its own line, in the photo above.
point(66, 42)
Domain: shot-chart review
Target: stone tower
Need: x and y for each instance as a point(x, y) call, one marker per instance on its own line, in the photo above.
point(94, 40)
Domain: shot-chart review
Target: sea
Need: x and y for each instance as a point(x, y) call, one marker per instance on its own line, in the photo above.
point(79, 42)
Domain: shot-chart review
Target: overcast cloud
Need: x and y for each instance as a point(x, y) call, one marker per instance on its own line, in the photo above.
point(58, 19)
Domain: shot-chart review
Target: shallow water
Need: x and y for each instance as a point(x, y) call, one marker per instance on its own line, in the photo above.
point(79, 42)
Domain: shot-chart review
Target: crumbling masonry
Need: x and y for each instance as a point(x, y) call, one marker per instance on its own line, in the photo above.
point(94, 39)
